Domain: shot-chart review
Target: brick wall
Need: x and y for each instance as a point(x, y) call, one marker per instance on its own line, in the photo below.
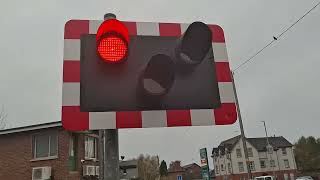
point(175, 166)
point(188, 172)
point(173, 175)
point(16, 156)
point(193, 172)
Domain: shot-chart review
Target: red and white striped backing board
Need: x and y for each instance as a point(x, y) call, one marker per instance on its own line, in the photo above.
point(74, 120)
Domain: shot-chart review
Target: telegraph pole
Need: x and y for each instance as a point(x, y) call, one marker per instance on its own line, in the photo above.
point(243, 137)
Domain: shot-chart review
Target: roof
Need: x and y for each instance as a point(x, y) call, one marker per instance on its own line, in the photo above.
point(30, 128)
point(175, 166)
point(231, 141)
point(259, 143)
point(276, 142)
point(128, 164)
point(229, 144)
point(190, 165)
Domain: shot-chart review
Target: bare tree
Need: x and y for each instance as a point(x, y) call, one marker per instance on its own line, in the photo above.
point(148, 167)
point(3, 118)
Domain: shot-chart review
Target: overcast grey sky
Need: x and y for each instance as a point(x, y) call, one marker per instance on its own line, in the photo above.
point(281, 86)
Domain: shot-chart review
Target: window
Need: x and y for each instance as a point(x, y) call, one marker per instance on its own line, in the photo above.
point(90, 147)
point(250, 153)
point(272, 163)
point(229, 167)
point(251, 165)
point(238, 151)
point(241, 167)
point(242, 178)
point(269, 149)
point(262, 164)
point(228, 155)
point(286, 163)
point(72, 153)
point(222, 168)
point(217, 170)
point(45, 145)
point(284, 151)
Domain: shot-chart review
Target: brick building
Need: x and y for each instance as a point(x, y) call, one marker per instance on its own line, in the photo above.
point(192, 171)
point(230, 164)
point(187, 172)
point(62, 154)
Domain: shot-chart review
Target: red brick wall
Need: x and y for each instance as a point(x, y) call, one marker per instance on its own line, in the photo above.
point(175, 166)
point(174, 175)
point(193, 171)
point(16, 153)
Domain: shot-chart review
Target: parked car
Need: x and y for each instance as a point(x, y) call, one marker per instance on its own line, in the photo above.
point(305, 178)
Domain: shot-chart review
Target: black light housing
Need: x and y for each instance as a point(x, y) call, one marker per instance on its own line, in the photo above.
point(195, 44)
point(157, 78)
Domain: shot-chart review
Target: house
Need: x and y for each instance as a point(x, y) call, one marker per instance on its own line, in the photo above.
point(175, 170)
point(230, 163)
point(187, 172)
point(129, 169)
point(192, 171)
point(47, 150)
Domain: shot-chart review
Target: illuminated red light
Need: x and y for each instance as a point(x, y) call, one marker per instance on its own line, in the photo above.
point(112, 41)
point(112, 48)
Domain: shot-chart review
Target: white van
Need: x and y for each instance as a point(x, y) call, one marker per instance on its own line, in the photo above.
point(264, 178)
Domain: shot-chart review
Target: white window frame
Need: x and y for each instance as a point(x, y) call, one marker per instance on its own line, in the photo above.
point(228, 156)
point(71, 145)
point(229, 167)
point(34, 145)
point(95, 144)
point(250, 152)
point(272, 164)
point(284, 151)
point(269, 149)
point(286, 163)
point(242, 166)
point(239, 153)
point(263, 165)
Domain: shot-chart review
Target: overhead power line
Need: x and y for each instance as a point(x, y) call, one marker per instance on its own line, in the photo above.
point(275, 38)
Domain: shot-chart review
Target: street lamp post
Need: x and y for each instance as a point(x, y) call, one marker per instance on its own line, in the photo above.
point(265, 129)
point(268, 147)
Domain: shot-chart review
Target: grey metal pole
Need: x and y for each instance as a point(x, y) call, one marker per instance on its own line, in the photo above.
point(265, 129)
point(243, 137)
point(111, 148)
point(111, 151)
point(268, 146)
point(101, 154)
